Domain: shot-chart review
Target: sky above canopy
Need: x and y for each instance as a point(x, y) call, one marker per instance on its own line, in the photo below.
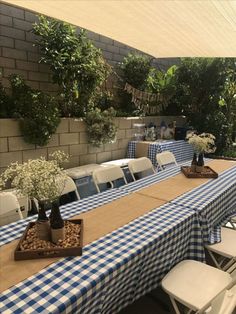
point(181, 28)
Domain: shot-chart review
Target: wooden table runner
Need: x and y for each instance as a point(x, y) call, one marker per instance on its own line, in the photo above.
point(173, 187)
point(97, 223)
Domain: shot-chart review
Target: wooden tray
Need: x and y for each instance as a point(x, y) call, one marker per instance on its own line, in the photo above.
point(50, 252)
point(206, 173)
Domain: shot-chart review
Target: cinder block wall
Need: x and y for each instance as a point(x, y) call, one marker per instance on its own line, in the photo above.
point(18, 55)
point(71, 137)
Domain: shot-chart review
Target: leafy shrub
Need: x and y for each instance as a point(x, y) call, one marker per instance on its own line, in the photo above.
point(134, 70)
point(77, 65)
point(100, 126)
point(203, 94)
point(38, 112)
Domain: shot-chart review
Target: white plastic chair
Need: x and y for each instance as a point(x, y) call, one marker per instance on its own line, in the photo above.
point(139, 165)
point(196, 285)
point(107, 174)
point(8, 203)
point(165, 158)
point(223, 254)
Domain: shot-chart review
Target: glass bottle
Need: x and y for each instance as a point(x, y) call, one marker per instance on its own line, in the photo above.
point(194, 163)
point(56, 223)
point(42, 223)
point(200, 163)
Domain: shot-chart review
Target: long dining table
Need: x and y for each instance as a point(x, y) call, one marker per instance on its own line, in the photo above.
point(133, 237)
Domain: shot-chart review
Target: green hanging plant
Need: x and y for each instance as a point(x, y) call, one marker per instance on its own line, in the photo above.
point(100, 126)
point(38, 112)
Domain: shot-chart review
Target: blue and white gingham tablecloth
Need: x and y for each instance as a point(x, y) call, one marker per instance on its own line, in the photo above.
point(181, 149)
point(114, 270)
point(214, 201)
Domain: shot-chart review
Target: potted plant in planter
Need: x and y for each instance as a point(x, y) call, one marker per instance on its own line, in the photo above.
point(202, 143)
point(44, 181)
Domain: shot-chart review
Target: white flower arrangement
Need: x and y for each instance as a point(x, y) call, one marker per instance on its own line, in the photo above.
point(203, 143)
point(38, 178)
point(59, 156)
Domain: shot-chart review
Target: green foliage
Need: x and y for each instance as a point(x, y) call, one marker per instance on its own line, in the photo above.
point(100, 126)
point(162, 83)
point(134, 70)
point(6, 108)
point(103, 100)
point(229, 152)
point(77, 65)
point(138, 72)
point(202, 91)
point(38, 112)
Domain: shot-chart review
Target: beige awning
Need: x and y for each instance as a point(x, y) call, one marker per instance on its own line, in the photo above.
point(160, 28)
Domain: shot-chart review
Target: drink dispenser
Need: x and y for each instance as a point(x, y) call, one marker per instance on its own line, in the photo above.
point(139, 131)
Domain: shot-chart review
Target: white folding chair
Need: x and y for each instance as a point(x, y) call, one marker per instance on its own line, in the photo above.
point(108, 174)
point(196, 286)
point(232, 223)
point(9, 203)
point(70, 186)
point(223, 254)
point(165, 158)
point(140, 165)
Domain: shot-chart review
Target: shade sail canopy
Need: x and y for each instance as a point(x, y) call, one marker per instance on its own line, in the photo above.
point(160, 28)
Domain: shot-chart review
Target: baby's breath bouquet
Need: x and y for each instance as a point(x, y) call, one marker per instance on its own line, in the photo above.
point(44, 181)
point(37, 178)
point(203, 143)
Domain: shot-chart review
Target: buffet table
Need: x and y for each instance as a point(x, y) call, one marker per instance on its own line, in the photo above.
point(181, 149)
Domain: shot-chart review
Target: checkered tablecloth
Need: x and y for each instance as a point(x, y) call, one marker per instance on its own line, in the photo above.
point(115, 270)
point(181, 149)
point(157, 177)
point(14, 230)
point(214, 201)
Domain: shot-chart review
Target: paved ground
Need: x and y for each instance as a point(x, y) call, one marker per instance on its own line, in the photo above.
point(157, 302)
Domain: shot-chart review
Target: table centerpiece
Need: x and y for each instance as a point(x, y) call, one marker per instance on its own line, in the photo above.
point(42, 180)
point(202, 143)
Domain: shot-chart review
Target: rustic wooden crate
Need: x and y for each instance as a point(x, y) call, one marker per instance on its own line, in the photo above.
point(210, 173)
point(52, 252)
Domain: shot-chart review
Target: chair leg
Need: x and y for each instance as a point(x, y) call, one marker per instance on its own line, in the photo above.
point(174, 305)
point(217, 264)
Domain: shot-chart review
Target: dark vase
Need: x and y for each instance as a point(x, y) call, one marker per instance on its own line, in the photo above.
point(56, 223)
point(194, 163)
point(42, 223)
point(200, 163)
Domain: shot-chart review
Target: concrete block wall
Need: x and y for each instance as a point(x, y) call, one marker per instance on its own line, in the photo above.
point(18, 55)
point(71, 137)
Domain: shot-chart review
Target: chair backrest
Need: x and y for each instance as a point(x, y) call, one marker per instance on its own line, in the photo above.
point(70, 186)
point(140, 165)
point(165, 158)
point(108, 174)
point(9, 202)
